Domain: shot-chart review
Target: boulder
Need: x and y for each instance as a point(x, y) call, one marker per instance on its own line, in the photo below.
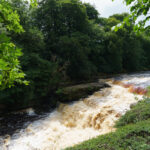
point(72, 93)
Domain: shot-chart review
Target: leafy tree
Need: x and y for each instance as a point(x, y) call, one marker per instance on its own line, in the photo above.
point(10, 69)
point(41, 73)
point(96, 44)
point(126, 47)
point(58, 18)
point(120, 17)
point(138, 8)
point(74, 51)
point(133, 54)
point(92, 13)
point(112, 53)
point(145, 41)
point(61, 22)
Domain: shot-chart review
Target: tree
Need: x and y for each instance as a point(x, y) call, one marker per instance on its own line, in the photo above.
point(120, 17)
point(65, 25)
point(74, 53)
point(123, 49)
point(92, 13)
point(10, 69)
point(138, 8)
point(41, 73)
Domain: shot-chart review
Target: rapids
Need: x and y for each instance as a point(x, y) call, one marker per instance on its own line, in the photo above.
point(73, 123)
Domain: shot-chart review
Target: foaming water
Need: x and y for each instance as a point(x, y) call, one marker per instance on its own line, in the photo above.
point(73, 123)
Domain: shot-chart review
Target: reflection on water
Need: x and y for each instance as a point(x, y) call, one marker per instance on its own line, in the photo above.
point(73, 123)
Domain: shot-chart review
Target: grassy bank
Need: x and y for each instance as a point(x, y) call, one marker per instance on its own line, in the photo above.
point(133, 132)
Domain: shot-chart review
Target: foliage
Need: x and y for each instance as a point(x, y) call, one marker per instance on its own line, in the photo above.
point(112, 53)
point(10, 69)
point(138, 8)
point(145, 41)
point(71, 51)
point(74, 51)
point(9, 64)
point(138, 113)
point(92, 13)
point(42, 74)
point(148, 91)
point(63, 18)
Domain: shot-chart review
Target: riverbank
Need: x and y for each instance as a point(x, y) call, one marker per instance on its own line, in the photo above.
point(66, 94)
point(75, 92)
point(132, 132)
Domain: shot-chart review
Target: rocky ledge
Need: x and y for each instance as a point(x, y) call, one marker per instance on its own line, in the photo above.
point(72, 93)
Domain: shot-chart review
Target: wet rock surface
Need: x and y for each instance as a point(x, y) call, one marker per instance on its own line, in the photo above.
point(72, 93)
point(12, 122)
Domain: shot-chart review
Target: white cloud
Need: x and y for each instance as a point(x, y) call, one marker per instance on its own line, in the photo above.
point(107, 7)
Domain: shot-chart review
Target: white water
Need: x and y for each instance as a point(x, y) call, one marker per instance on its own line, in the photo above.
point(71, 124)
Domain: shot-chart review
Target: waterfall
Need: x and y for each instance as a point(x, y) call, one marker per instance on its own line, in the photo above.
point(74, 123)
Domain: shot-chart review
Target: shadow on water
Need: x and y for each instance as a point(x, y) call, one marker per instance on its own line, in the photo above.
point(13, 122)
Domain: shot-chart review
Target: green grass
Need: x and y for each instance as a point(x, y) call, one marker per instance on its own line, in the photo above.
point(138, 113)
point(133, 132)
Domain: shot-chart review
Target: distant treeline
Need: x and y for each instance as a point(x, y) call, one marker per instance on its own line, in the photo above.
point(67, 40)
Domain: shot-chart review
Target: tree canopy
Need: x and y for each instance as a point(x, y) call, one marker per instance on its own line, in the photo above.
point(138, 8)
point(10, 69)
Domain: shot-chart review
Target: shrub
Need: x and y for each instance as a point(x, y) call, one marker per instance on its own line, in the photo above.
point(139, 112)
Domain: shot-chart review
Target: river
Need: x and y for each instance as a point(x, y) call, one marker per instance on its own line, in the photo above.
point(73, 123)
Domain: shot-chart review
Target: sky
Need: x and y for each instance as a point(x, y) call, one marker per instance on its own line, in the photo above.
point(107, 8)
